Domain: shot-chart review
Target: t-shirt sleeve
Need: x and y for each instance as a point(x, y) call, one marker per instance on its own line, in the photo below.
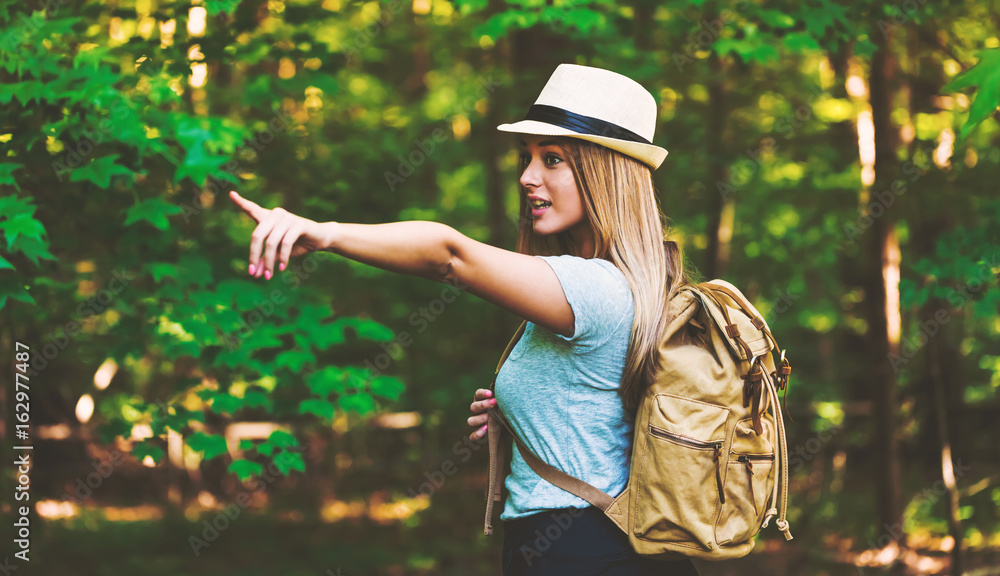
point(598, 294)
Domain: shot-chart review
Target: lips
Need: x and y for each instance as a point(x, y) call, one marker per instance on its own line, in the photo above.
point(540, 211)
point(538, 203)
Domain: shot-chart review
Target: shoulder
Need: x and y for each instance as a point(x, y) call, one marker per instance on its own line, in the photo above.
point(597, 292)
point(596, 270)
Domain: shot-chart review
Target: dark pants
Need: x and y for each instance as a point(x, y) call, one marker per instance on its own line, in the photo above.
point(577, 542)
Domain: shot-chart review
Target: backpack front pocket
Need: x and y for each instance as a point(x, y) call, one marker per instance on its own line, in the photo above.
point(679, 482)
point(749, 483)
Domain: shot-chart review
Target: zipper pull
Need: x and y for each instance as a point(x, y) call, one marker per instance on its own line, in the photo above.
point(753, 499)
point(718, 471)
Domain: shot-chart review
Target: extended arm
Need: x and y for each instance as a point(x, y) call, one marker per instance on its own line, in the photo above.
point(415, 247)
point(522, 284)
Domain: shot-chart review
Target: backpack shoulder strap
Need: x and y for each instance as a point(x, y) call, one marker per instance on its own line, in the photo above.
point(494, 478)
point(575, 486)
point(496, 424)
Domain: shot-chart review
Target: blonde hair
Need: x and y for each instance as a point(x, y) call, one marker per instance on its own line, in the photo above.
point(623, 213)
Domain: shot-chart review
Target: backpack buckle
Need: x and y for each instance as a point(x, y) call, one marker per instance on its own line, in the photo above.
point(752, 391)
point(752, 380)
point(782, 372)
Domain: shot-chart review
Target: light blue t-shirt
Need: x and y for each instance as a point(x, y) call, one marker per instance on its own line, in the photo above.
point(560, 393)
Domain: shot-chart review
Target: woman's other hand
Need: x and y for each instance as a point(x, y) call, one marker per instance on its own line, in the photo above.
point(480, 406)
point(281, 234)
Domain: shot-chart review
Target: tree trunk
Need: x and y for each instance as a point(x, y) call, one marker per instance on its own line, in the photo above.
point(721, 208)
point(501, 232)
point(947, 464)
point(642, 25)
point(882, 247)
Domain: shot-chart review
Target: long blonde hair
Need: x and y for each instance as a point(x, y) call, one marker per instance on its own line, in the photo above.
point(623, 213)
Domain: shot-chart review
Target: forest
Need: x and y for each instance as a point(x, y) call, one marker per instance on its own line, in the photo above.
point(165, 413)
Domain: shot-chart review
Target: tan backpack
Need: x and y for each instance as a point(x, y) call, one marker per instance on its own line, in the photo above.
point(707, 451)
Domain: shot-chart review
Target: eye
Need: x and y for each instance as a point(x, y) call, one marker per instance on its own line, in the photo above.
point(525, 159)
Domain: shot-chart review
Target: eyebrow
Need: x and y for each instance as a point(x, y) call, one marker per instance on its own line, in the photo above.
point(542, 143)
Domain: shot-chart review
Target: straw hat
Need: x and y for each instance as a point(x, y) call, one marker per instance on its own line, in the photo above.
point(596, 105)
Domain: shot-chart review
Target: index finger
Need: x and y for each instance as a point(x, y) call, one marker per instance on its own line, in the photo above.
point(483, 393)
point(248, 206)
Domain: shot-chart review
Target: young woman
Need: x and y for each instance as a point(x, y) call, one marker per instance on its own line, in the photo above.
point(591, 274)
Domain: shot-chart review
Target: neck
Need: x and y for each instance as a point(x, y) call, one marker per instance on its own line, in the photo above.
point(583, 241)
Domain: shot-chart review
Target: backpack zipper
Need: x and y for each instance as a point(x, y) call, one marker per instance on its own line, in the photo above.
point(748, 457)
point(748, 460)
point(698, 445)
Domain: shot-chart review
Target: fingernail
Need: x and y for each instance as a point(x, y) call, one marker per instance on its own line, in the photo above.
point(493, 400)
point(484, 427)
point(282, 267)
point(267, 274)
point(489, 392)
point(252, 269)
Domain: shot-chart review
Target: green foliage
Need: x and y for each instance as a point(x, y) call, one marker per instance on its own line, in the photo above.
point(141, 450)
point(985, 76)
point(244, 469)
point(210, 445)
point(116, 168)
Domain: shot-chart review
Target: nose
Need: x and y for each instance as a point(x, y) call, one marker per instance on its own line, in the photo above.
point(529, 178)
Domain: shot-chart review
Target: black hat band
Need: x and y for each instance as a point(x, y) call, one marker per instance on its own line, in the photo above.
point(580, 123)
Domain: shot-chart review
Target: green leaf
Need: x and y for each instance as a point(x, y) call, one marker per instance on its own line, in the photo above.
point(25, 92)
point(865, 47)
point(246, 444)
point(116, 427)
point(152, 210)
point(182, 417)
point(985, 76)
point(226, 404)
point(244, 469)
point(143, 449)
point(294, 360)
point(99, 171)
point(4, 264)
point(322, 336)
point(13, 288)
point(210, 445)
point(33, 248)
point(751, 49)
point(356, 377)
point(822, 15)
point(283, 439)
point(388, 387)
point(161, 270)
point(263, 336)
point(289, 461)
point(258, 399)
point(92, 58)
point(215, 7)
point(23, 223)
point(246, 294)
point(6, 175)
point(800, 41)
point(322, 408)
point(776, 18)
point(323, 382)
point(360, 403)
point(194, 269)
point(199, 164)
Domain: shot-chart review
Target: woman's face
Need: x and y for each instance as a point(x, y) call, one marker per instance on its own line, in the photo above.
point(548, 177)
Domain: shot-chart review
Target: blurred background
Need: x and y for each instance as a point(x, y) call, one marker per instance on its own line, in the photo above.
point(839, 162)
